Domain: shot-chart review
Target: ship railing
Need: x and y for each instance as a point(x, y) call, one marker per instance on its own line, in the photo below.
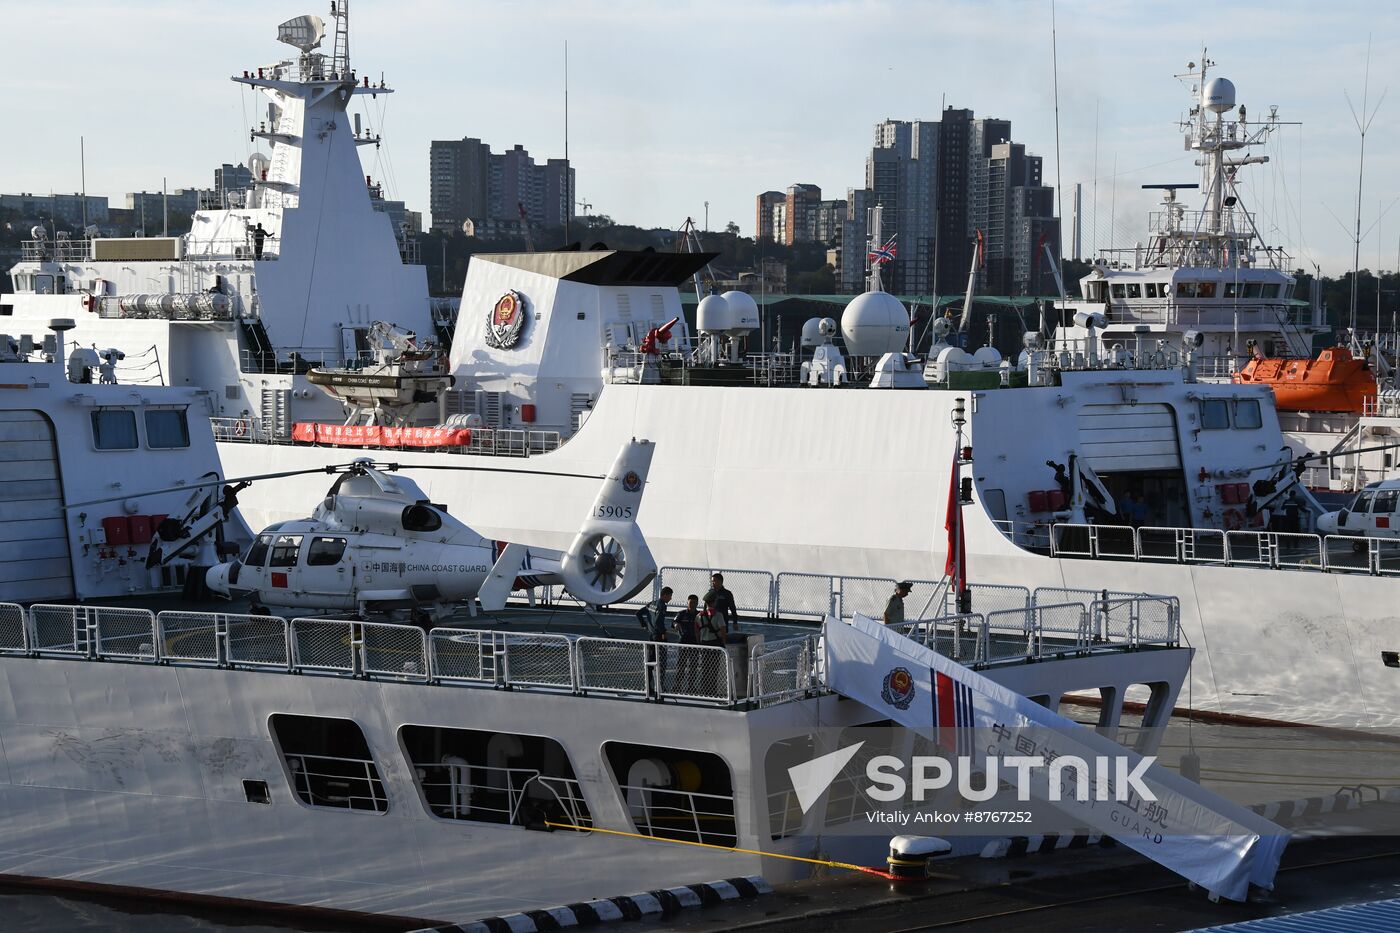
point(688, 816)
point(459, 790)
point(93, 632)
point(230, 248)
point(244, 430)
point(330, 781)
point(1277, 550)
point(14, 629)
point(962, 637)
point(618, 666)
point(1119, 618)
point(784, 670)
point(61, 250)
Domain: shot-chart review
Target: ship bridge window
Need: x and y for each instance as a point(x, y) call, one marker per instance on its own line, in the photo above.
point(1094, 291)
point(1186, 289)
point(284, 551)
point(325, 552)
point(43, 284)
point(420, 517)
point(1215, 414)
point(114, 429)
point(1253, 289)
point(1247, 414)
point(1231, 290)
point(257, 551)
point(167, 429)
point(1134, 290)
point(329, 762)
point(1205, 289)
point(1154, 290)
point(675, 793)
point(1120, 290)
point(495, 777)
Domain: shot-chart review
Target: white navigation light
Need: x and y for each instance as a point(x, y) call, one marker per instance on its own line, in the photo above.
point(1219, 95)
point(875, 323)
point(304, 32)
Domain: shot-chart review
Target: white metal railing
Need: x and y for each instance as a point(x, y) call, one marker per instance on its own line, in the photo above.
point(1014, 624)
point(341, 783)
point(666, 813)
point(1279, 550)
point(452, 790)
point(14, 629)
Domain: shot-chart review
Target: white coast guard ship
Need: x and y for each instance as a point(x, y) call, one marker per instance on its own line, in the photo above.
point(552, 364)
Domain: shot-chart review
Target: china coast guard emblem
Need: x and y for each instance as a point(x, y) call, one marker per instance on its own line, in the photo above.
point(631, 482)
point(506, 322)
point(898, 688)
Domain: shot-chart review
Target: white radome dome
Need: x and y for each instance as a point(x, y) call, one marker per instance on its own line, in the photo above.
point(714, 316)
point(811, 332)
point(1219, 95)
point(874, 324)
point(744, 309)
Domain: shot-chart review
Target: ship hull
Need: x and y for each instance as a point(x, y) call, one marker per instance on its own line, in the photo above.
point(855, 483)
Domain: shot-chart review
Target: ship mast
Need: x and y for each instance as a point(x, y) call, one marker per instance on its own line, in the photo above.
point(340, 60)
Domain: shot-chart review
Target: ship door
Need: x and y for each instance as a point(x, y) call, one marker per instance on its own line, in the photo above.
point(34, 558)
point(1135, 449)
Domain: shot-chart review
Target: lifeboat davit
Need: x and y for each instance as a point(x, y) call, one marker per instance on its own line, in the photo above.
point(1334, 380)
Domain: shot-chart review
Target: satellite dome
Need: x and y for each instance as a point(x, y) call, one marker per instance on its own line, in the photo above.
point(714, 316)
point(1219, 95)
point(811, 333)
point(987, 357)
point(744, 309)
point(874, 324)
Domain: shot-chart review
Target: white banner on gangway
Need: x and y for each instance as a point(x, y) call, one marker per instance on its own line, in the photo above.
point(1219, 845)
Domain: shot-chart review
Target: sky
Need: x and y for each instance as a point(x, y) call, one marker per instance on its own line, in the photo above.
point(673, 103)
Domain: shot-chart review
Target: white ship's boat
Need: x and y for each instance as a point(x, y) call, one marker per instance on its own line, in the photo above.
point(752, 471)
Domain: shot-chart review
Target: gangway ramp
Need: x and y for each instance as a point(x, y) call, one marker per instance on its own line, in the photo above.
point(1219, 845)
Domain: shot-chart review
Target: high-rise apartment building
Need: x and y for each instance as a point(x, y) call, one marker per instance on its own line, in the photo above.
point(470, 182)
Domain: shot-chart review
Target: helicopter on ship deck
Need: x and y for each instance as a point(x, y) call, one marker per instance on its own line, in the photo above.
point(377, 545)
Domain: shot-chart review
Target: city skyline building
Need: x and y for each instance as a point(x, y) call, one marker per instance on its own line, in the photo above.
point(470, 182)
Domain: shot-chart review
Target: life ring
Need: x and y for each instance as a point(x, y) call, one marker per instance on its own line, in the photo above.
point(89, 302)
point(1233, 519)
point(240, 427)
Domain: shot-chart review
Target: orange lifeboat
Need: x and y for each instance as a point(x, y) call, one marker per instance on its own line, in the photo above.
point(1334, 380)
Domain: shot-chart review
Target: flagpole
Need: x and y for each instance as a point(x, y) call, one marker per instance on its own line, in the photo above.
point(955, 567)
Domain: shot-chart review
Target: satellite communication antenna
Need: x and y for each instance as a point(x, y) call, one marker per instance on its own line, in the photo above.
point(303, 32)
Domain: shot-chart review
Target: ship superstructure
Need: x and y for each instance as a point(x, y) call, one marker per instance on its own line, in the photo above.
point(1207, 270)
point(285, 275)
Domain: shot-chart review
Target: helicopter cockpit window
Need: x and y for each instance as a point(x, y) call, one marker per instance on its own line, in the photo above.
point(257, 553)
point(1362, 502)
point(284, 551)
point(325, 552)
point(420, 517)
point(1385, 500)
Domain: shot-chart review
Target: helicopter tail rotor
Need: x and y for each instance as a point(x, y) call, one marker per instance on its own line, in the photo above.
point(609, 560)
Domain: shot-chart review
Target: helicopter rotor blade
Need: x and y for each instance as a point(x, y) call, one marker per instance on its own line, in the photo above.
point(329, 470)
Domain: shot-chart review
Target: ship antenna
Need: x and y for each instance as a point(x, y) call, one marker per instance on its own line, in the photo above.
point(1059, 186)
point(1363, 123)
point(568, 169)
